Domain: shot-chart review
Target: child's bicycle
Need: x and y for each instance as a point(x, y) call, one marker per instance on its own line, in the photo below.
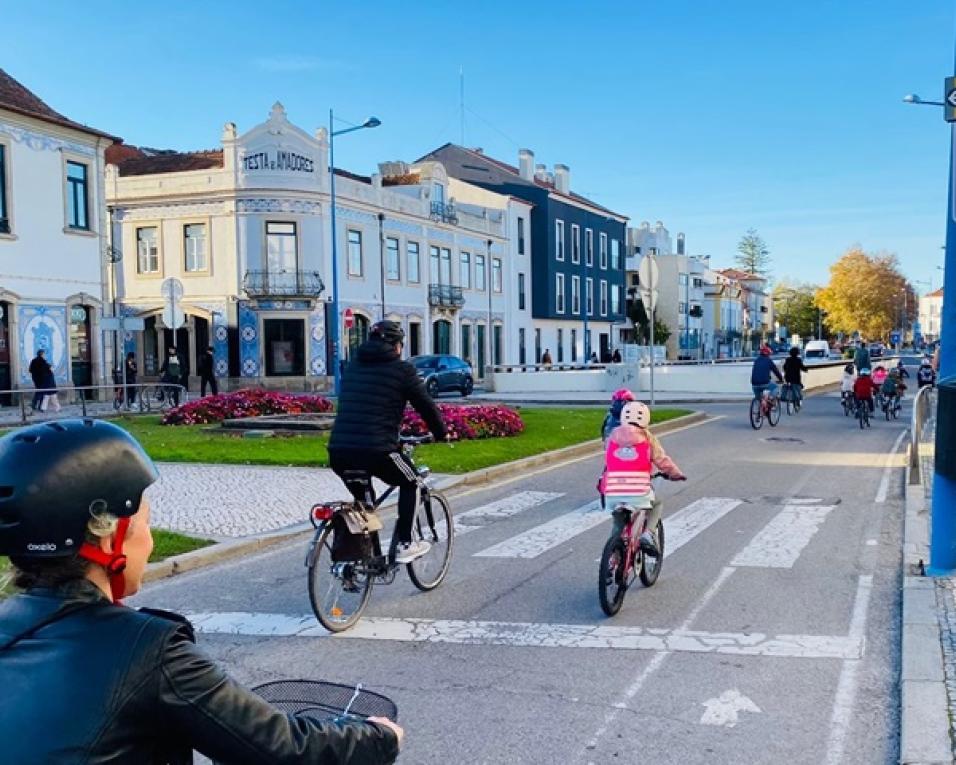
point(862, 412)
point(767, 407)
point(791, 396)
point(346, 557)
point(847, 402)
point(623, 560)
point(892, 406)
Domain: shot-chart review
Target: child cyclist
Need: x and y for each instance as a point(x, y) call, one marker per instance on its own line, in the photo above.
point(613, 417)
point(893, 386)
point(632, 453)
point(879, 375)
point(846, 382)
point(864, 388)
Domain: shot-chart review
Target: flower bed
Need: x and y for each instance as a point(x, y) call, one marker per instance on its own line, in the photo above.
point(468, 421)
point(253, 402)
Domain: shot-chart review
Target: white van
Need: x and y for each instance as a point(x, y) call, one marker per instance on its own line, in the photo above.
point(817, 349)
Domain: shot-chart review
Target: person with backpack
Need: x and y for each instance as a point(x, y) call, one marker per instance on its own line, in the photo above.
point(171, 371)
point(925, 375)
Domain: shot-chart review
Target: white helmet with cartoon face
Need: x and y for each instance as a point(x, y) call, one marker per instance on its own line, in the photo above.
point(636, 413)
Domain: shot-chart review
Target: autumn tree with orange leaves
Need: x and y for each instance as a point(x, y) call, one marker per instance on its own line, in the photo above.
point(865, 294)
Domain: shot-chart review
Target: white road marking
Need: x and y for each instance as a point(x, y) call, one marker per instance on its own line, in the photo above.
point(680, 528)
point(506, 507)
point(847, 687)
point(780, 542)
point(723, 710)
point(888, 470)
point(535, 635)
point(871, 543)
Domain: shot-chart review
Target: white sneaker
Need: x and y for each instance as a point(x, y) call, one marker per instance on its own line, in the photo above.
point(406, 553)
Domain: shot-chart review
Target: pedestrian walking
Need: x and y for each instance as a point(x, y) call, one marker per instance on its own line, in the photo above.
point(546, 358)
point(171, 371)
point(616, 357)
point(207, 372)
point(38, 371)
point(132, 371)
point(50, 399)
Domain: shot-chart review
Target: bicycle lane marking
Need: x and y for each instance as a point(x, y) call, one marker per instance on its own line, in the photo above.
point(780, 542)
point(888, 468)
point(680, 528)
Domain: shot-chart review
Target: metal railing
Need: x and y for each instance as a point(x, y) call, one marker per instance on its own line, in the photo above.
point(282, 284)
point(921, 430)
point(108, 400)
point(445, 295)
point(444, 212)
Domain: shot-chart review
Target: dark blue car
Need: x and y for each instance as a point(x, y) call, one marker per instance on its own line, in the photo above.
point(442, 373)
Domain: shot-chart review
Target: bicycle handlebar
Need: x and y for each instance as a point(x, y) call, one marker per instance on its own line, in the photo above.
point(416, 440)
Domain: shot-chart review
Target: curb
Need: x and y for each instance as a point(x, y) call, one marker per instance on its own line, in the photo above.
point(223, 551)
point(924, 705)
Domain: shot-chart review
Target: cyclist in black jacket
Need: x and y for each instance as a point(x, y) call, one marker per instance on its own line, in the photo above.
point(376, 388)
point(86, 679)
point(792, 368)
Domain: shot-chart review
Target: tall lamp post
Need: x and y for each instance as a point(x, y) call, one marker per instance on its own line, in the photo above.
point(942, 555)
point(371, 122)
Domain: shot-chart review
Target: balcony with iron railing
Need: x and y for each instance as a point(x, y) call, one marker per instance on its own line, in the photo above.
point(444, 212)
point(304, 284)
point(445, 296)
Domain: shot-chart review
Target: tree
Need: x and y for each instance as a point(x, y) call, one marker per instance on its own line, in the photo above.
point(866, 294)
point(795, 307)
point(661, 332)
point(753, 256)
point(638, 315)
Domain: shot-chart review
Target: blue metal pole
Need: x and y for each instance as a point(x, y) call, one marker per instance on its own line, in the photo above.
point(942, 555)
point(334, 318)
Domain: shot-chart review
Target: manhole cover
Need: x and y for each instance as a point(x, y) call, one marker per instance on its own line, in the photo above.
point(785, 439)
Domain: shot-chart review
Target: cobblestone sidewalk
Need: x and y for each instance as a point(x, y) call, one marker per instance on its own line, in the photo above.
point(946, 602)
point(238, 500)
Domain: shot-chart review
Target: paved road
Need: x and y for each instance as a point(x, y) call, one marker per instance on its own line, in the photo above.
point(772, 635)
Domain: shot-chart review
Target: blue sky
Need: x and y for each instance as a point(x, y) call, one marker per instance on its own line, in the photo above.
point(713, 117)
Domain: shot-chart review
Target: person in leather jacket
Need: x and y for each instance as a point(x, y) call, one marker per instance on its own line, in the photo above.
point(86, 679)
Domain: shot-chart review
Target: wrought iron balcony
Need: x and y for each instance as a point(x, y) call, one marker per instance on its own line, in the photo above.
point(444, 212)
point(282, 284)
point(445, 296)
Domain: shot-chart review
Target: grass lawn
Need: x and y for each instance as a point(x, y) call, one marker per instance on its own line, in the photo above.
point(166, 544)
point(545, 429)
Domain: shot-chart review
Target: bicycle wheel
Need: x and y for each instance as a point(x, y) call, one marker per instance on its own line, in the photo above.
point(861, 415)
point(773, 414)
point(433, 523)
point(612, 584)
point(791, 404)
point(756, 414)
point(651, 567)
point(338, 592)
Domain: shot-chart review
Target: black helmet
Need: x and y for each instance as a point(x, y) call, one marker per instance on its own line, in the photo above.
point(54, 476)
point(389, 331)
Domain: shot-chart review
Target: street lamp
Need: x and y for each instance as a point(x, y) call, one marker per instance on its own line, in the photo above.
point(912, 98)
point(371, 122)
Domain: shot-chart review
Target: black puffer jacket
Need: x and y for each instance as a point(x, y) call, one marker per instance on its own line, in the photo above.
point(107, 684)
point(375, 390)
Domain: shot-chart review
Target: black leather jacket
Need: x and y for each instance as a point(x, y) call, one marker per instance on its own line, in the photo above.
point(107, 684)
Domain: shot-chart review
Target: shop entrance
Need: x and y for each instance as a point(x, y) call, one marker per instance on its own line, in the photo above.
point(284, 347)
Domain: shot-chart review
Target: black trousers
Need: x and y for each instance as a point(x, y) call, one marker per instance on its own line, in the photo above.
point(208, 380)
point(392, 468)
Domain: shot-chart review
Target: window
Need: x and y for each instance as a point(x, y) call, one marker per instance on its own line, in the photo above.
point(560, 345)
point(147, 250)
point(588, 247)
point(4, 216)
point(281, 247)
point(615, 299)
point(434, 258)
point(355, 252)
point(194, 236)
point(559, 240)
point(522, 353)
point(537, 346)
point(575, 243)
point(682, 278)
point(521, 236)
point(413, 265)
point(603, 298)
point(574, 345)
point(681, 308)
point(589, 284)
point(77, 196)
point(559, 293)
point(445, 265)
point(615, 255)
point(575, 294)
point(496, 274)
point(464, 271)
point(603, 251)
point(466, 342)
point(393, 268)
point(521, 303)
point(698, 283)
point(479, 272)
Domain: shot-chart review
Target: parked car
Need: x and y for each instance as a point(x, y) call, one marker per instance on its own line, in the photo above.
point(442, 373)
point(816, 349)
point(876, 350)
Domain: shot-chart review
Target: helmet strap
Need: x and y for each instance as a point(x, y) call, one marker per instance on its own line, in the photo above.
point(114, 562)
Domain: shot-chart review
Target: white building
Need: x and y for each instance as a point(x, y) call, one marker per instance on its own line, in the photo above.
point(52, 245)
point(931, 315)
point(247, 229)
point(723, 316)
point(758, 321)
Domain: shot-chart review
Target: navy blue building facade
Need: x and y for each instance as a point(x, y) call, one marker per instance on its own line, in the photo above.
point(577, 246)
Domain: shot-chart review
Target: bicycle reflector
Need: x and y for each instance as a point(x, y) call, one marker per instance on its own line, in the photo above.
point(322, 512)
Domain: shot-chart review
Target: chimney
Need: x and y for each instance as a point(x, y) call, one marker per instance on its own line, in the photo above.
point(526, 164)
point(562, 178)
point(540, 172)
point(680, 244)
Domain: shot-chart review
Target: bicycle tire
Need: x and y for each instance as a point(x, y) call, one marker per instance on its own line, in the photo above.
point(321, 561)
point(432, 532)
point(756, 414)
point(791, 406)
point(773, 414)
point(611, 584)
point(649, 577)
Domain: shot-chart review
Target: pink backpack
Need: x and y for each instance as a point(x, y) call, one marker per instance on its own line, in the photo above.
point(627, 466)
